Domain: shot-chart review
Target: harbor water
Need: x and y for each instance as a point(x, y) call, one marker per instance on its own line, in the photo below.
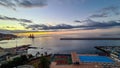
point(55, 45)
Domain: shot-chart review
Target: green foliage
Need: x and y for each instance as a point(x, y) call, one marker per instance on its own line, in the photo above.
point(44, 62)
point(30, 56)
point(16, 62)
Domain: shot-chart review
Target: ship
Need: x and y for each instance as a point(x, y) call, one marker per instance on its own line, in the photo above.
point(31, 36)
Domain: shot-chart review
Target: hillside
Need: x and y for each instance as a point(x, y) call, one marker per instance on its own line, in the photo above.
point(6, 36)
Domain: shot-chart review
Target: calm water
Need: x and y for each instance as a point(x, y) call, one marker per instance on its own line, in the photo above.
point(60, 46)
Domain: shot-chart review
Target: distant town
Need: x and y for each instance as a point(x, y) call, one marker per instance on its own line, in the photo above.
point(7, 36)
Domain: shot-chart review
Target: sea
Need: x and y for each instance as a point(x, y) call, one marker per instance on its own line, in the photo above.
point(55, 45)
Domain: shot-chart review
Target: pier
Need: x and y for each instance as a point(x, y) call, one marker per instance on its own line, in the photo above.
point(89, 38)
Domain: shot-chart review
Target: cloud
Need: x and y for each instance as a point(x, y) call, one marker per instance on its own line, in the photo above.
point(77, 21)
point(46, 27)
point(23, 3)
point(25, 20)
point(14, 19)
point(72, 1)
point(23, 24)
point(106, 12)
point(88, 25)
point(113, 9)
point(98, 15)
point(9, 27)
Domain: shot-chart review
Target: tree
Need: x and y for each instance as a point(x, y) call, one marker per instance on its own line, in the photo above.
point(46, 53)
point(24, 58)
point(44, 62)
point(15, 62)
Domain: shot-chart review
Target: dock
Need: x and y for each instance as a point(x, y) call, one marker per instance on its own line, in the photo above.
point(105, 49)
point(89, 38)
point(108, 49)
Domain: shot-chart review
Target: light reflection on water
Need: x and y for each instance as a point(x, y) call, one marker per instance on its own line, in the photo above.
point(53, 42)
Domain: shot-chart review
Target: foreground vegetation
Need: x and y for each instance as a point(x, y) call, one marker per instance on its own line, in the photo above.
point(15, 62)
point(38, 62)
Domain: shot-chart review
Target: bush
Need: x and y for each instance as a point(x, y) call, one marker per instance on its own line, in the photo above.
point(16, 62)
point(44, 62)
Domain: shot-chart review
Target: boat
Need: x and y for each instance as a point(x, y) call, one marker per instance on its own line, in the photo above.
point(31, 36)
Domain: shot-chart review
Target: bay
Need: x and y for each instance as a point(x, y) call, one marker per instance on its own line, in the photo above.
point(56, 45)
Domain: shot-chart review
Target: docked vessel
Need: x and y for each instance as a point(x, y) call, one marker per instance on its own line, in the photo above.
point(31, 36)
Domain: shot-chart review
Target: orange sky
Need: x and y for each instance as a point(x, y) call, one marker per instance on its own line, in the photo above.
point(96, 32)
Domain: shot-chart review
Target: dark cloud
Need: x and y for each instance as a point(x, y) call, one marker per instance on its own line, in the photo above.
point(103, 25)
point(106, 12)
point(77, 21)
point(32, 3)
point(25, 20)
point(7, 3)
point(45, 27)
point(14, 19)
point(23, 24)
point(9, 27)
point(98, 15)
point(23, 3)
point(113, 9)
point(88, 25)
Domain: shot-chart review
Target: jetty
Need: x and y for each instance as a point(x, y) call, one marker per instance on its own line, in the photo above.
point(89, 38)
point(108, 49)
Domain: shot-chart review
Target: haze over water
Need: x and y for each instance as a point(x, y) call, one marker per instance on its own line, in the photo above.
point(54, 43)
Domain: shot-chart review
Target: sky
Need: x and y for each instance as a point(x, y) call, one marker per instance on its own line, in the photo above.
point(63, 16)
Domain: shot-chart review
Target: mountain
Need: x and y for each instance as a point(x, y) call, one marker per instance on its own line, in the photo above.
point(7, 36)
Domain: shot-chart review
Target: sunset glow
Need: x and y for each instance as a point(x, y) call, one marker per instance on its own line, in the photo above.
point(60, 17)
